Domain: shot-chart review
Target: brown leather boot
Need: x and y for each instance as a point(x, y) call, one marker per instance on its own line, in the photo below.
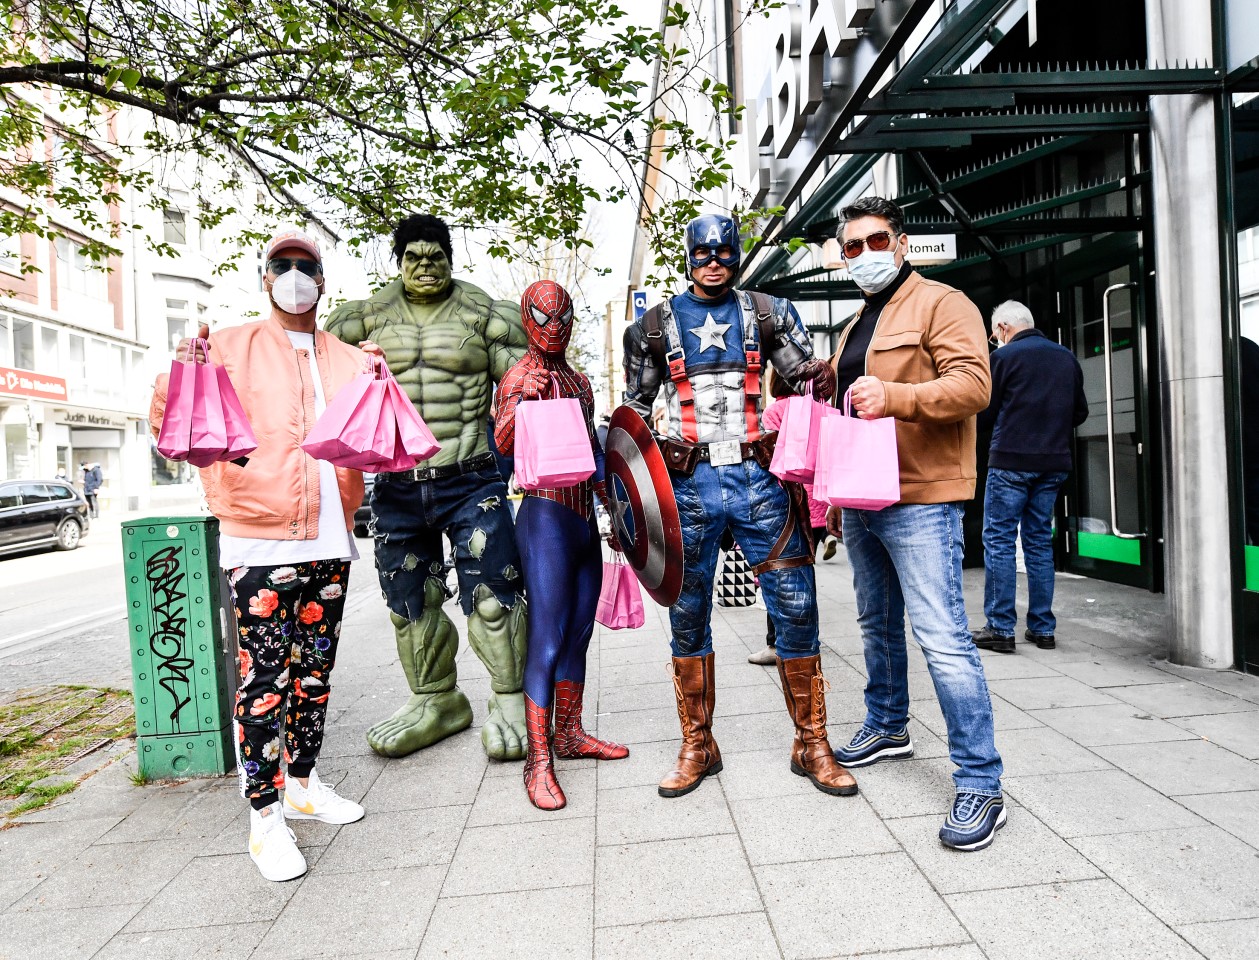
point(804, 689)
point(697, 695)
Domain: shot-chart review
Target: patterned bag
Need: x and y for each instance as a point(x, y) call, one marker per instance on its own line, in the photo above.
point(736, 586)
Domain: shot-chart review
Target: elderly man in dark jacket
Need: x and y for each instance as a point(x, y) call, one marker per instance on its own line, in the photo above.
point(1037, 402)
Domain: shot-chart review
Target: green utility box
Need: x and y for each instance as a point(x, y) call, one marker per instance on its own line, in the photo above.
point(183, 646)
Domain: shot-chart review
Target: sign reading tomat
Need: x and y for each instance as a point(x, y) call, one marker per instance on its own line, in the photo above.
point(24, 383)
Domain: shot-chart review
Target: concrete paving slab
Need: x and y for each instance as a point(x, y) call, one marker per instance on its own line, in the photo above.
point(1182, 876)
point(1226, 940)
point(1181, 699)
point(377, 911)
point(1232, 812)
point(966, 951)
point(841, 907)
point(503, 799)
point(999, 666)
point(1046, 693)
point(1097, 802)
point(809, 826)
point(640, 814)
point(110, 875)
point(647, 764)
point(73, 934)
point(652, 725)
point(1005, 716)
point(908, 788)
point(1084, 920)
point(1186, 766)
point(402, 838)
point(1040, 750)
point(1025, 853)
point(169, 815)
point(644, 882)
point(1231, 682)
point(745, 936)
point(506, 926)
point(446, 774)
point(32, 851)
point(1238, 732)
point(1115, 672)
point(211, 889)
point(759, 775)
point(228, 940)
point(640, 696)
point(504, 859)
point(1118, 723)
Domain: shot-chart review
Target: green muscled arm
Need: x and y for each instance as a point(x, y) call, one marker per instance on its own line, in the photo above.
point(348, 322)
point(505, 338)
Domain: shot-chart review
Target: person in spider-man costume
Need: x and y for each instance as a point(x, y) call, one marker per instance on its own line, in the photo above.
point(559, 549)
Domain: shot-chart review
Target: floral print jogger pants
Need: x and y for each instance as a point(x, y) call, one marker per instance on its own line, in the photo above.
point(289, 619)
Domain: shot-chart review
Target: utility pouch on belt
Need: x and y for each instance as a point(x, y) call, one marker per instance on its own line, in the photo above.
point(679, 456)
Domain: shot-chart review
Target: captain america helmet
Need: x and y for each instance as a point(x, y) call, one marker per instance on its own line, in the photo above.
point(712, 231)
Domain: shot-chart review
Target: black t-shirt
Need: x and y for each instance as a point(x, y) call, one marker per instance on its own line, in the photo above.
point(852, 361)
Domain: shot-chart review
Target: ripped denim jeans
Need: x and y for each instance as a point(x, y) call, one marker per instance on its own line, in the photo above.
point(408, 520)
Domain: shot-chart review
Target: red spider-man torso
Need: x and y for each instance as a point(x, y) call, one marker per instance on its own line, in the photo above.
point(547, 313)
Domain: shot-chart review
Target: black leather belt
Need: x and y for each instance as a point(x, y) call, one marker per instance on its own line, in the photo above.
point(417, 474)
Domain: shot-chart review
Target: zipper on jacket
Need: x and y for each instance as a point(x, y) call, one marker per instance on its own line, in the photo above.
point(303, 367)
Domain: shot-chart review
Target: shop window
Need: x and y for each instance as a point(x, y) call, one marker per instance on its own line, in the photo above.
point(174, 226)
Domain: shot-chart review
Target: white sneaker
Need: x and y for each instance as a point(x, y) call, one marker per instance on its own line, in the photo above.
point(272, 845)
point(318, 802)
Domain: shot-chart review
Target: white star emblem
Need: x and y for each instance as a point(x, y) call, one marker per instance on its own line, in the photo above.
point(712, 335)
point(622, 529)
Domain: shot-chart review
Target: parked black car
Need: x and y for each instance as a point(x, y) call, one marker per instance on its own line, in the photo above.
point(35, 513)
point(363, 515)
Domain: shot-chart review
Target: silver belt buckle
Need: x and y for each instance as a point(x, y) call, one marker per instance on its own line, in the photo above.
point(723, 453)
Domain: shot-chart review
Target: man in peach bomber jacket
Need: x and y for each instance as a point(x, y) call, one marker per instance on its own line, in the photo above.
point(284, 521)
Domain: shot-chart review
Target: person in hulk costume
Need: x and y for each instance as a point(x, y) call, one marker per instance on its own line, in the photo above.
point(447, 344)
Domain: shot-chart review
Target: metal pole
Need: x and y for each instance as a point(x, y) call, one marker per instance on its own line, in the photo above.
point(1186, 154)
point(609, 357)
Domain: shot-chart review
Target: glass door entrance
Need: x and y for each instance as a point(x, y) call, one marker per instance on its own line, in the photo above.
point(1107, 525)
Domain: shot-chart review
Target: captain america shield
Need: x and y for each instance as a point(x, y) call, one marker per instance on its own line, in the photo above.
point(644, 511)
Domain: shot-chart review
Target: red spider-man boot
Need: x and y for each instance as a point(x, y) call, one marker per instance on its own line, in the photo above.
point(571, 741)
point(540, 783)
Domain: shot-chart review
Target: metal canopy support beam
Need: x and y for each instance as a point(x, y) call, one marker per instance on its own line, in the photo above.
point(1101, 81)
point(1185, 156)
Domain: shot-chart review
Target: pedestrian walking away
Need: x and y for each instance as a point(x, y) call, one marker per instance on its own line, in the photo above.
point(93, 480)
point(703, 348)
point(285, 542)
point(1037, 401)
point(916, 352)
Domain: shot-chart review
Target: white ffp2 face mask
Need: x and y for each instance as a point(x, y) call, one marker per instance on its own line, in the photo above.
point(294, 292)
point(874, 270)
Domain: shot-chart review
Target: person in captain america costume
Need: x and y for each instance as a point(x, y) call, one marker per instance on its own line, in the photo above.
point(560, 551)
point(703, 348)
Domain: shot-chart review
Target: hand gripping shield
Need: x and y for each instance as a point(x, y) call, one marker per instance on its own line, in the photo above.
point(645, 513)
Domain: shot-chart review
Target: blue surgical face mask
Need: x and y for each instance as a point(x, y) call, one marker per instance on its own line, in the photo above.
point(874, 270)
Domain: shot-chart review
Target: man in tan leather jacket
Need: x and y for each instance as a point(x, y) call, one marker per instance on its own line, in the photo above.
point(916, 352)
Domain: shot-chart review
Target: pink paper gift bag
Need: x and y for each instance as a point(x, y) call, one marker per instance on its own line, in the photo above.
point(620, 601)
point(795, 450)
point(194, 426)
point(240, 435)
point(862, 467)
point(552, 443)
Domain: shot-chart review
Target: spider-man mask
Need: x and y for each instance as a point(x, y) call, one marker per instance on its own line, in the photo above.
point(547, 312)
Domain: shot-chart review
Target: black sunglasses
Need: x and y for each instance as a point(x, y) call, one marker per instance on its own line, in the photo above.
point(877, 242)
point(279, 265)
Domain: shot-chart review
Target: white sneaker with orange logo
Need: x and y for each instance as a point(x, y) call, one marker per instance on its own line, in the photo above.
point(318, 801)
point(273, 846)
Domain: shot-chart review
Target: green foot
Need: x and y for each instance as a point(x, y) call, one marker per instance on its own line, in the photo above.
point(503, 735)
point(422, 721)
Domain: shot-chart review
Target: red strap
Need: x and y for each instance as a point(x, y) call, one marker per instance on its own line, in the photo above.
point(752, 393)
point(686, 398)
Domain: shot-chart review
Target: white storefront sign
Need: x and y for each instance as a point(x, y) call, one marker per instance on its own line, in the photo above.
point(924, 251)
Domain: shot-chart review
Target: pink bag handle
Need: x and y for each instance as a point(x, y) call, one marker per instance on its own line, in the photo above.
point(847, 404)
point(205, 350)
point(555, 389)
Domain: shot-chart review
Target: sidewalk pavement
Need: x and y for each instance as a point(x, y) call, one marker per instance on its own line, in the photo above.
point(1132, 786)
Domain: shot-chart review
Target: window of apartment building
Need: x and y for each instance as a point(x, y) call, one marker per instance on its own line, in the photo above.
point(6, 345)
point(76, 369)
point(23, 344)
point(176, 321)
point(174, 226)
point(76, 271)
point(49, 349)
point(11, 253)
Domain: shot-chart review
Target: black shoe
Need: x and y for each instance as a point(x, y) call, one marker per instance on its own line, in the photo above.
point(985, 639)
point(1044, 641)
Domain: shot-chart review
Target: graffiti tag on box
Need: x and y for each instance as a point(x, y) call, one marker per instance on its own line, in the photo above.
point(164, 572)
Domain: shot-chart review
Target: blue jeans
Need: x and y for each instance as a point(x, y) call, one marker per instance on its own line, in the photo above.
point(1014, 500)
point(749, 500)
point(908, 558)
point(408, 519)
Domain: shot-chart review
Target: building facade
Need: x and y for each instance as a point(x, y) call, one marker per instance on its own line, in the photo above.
point(1099, 162)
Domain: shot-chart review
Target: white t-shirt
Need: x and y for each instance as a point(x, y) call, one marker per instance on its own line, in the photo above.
point(334, 541)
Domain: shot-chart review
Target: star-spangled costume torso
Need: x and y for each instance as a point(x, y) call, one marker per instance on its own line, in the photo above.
point(712, 334)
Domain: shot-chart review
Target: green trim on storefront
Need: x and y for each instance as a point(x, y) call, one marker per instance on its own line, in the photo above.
point(1103, 546)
